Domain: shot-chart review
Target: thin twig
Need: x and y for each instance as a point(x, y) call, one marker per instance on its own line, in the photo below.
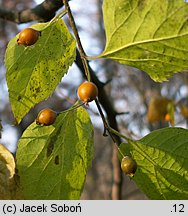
point(80, 47)
point(42, 12)
point(109, 129)
point(119, 134)
point(103, 119)
point(72, 108)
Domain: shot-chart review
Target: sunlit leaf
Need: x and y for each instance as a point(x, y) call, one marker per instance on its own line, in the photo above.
point(53, 160)
point(151, 35)
point(162, 159)
point(33, 72)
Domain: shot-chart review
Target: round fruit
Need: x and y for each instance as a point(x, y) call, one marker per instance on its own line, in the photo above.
point(46, 117)
point(28, 37)
point(87, 92)
point(167, 117)
point(128, 166)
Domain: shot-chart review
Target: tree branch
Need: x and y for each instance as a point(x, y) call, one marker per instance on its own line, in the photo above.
point(111, 115)
point(41, 13)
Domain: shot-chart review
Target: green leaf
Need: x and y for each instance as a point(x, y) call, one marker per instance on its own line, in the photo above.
point(52, 161)
point(33, 72)
point(151, 35)
point(162, 159)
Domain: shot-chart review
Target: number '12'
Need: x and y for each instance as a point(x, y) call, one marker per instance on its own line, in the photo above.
point(178, 208)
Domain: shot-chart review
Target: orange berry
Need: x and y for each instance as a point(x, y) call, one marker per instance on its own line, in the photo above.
point(167, 117)
point(87, 92)
point(28, 37)
point(46, 117)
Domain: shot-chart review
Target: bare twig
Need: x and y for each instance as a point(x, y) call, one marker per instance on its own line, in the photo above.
point(80, 47)
point(42, 12)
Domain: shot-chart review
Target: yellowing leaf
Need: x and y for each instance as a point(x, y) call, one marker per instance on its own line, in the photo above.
point(170, 113)
point(53, 160)
point(9, 188)
point(162, 163)
point(34, 72)
point(184, 111)
point(157, 109)
point(151, 35)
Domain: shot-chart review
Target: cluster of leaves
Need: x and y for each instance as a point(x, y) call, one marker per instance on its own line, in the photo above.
point(52, 161)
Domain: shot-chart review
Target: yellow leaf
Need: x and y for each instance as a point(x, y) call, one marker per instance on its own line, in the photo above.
point(184, 111)
point(157, 109)
point(9, 187)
